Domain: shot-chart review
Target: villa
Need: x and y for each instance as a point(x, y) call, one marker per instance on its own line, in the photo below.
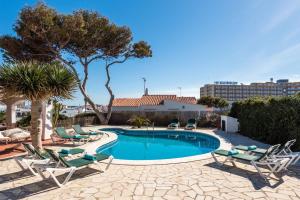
point(158, 103)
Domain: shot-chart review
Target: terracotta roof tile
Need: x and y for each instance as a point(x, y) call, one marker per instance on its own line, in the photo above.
point(126, 102)
point(152, 100)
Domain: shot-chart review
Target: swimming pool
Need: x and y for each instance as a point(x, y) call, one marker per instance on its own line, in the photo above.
point(158, 144)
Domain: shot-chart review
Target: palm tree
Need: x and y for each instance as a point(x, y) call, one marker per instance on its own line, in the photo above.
point(36, 82)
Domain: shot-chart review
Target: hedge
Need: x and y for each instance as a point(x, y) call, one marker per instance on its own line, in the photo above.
point(271, 120)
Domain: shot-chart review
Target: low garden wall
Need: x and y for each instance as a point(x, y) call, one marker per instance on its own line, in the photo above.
point(84, 119)
point(159, 118)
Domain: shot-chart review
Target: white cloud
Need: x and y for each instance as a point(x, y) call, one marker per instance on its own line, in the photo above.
point(280, 59)
point(262, 66)
point(286, 10)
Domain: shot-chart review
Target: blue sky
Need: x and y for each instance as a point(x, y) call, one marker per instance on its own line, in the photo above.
point(194, 42)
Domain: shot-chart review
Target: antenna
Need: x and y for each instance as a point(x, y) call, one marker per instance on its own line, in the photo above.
point(179, 91)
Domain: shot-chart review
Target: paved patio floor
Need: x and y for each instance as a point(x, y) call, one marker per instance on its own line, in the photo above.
point(193, 180)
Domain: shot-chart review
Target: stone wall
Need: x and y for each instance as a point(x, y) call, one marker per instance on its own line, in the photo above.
point(81, 120)
point(160, 118)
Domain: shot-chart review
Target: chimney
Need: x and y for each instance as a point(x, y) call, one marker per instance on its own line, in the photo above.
point(146, 92)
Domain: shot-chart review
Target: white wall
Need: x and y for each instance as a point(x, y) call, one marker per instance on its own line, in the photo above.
point(231, 124)
point(47, 120)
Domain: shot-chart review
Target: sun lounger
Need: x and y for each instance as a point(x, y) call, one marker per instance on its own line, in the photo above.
point(174, 124)
point(80, 131)
point(251, 148)
point(191, 124)
point(14, 135)
point(274, 164)
point(284, 151)
point(62, 133)
point(69, 166)
point(36, 157)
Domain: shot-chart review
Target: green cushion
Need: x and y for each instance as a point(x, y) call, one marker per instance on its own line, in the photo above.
point(79, 162)
point(233, 152)
point(29, 148)
point(252, 147)
point(246, 157)
point(241, 147)
point(245, 148)
point(240, 156)
point(71, 152)
point(222, 152)
point(258, 150)
point(89, 157)
point(80, 137)
point(61, 131)
point(78, 129)
point(94, 133)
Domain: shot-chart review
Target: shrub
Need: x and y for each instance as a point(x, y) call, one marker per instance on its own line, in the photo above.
point(24, 121)
point(210, 119)
point(2, 116)
point(271, 120)
point(138, 121)
point(210, 101)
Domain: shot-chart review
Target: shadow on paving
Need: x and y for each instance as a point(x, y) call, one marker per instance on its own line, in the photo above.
point(15, 176)
point(294, 171)
point(257, 181)
point(43, 186)
point(238, 139)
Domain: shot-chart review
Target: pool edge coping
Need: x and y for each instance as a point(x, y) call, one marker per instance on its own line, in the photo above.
point(223, 145)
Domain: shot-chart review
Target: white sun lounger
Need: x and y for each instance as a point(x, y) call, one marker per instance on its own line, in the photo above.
point(69, 166)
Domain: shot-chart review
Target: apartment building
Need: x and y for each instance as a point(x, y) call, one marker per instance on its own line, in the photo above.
point(232, 91)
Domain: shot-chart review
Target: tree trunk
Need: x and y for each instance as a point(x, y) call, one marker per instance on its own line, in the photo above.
point(36, 124)
point(83, 91)
point(99, 114)
point(112, 96)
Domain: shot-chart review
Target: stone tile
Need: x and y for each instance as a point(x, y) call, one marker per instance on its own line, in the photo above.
point(201, 180)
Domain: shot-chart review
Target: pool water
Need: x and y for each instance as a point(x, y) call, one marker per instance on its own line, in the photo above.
point(155, 145)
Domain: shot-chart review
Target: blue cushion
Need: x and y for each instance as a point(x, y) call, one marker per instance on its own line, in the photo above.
point(89, 157)
point(252, 147)
point(232, 152)
point(65, 151)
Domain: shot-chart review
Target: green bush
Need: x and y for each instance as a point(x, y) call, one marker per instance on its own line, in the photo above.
point(139, 121)
point(270, 120)
point(2, 116)
point(209, 120)
point(24, 121)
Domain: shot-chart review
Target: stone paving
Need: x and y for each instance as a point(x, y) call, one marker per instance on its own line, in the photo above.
point(192, 180)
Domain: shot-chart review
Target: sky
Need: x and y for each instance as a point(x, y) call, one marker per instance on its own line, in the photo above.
point(194, 42)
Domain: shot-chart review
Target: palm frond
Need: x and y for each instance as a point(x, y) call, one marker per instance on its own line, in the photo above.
point(36, 81)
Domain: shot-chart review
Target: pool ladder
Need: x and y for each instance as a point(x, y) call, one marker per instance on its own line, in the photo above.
point(152, 128)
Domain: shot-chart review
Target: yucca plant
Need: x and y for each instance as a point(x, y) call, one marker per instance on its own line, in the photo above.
point(36, 82)
point(139, 121)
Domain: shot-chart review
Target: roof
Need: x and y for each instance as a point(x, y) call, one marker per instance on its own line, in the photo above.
point(152, 100)
point(126, 102)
